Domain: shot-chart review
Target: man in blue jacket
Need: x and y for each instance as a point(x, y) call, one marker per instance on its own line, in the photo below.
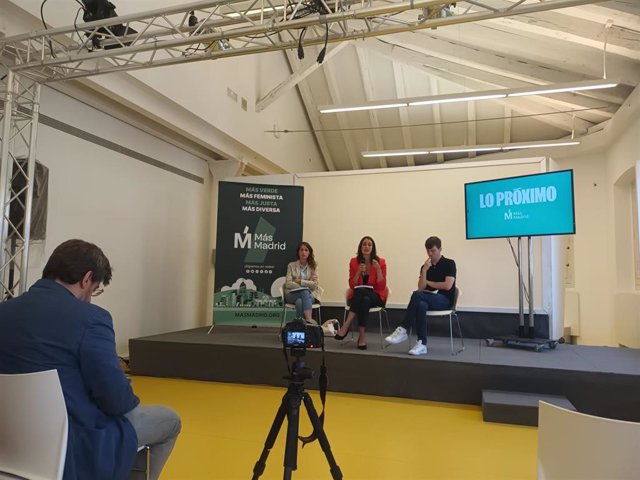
point(55, 326)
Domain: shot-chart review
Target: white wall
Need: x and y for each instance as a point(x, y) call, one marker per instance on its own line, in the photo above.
point(152, 224)
point(204, 92)
point(593, 262)
point(400, 208)
point(622, 158)
point(607, 301)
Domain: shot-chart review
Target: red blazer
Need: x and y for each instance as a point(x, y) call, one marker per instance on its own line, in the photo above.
point(379, 284)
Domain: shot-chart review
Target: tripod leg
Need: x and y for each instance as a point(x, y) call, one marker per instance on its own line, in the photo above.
point(291, 444)
point(258, 469)
point(336, 473)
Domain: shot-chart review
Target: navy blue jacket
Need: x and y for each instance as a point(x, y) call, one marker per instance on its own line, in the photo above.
point(46, 328)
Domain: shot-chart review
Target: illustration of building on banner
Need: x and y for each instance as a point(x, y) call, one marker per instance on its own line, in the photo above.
point(244, 297)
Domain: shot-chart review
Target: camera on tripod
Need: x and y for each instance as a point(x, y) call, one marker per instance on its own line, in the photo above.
point(300, 335)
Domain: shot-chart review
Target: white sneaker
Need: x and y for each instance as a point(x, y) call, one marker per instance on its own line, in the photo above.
point(399, 335)
point(418, 349)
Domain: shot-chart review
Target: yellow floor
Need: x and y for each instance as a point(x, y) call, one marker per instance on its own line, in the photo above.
point(224, 427)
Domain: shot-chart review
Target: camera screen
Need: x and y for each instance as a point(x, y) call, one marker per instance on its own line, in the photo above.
point(295, 338)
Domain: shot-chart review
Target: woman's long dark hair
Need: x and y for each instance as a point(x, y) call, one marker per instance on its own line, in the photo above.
point(374, 253)
point(311, 260)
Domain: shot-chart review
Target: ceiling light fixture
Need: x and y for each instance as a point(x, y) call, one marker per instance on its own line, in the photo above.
point(457, 98)
point(363, 107)
point(478, 148)
point(472, 96)
point(356, 108)
point(399, 153)
point(467, 150)
point(267, 10)
point(559, 88)
point(541, 145)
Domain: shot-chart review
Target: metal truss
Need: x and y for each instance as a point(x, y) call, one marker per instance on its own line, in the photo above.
point(224, 28)
point(186, 33)
point(19, 117)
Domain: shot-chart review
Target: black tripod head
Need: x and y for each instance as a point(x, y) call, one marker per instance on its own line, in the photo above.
point(299, 370)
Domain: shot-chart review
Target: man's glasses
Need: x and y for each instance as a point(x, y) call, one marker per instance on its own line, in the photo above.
point(98, 291)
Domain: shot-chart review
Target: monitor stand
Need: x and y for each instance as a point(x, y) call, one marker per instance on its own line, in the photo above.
point(526, 336)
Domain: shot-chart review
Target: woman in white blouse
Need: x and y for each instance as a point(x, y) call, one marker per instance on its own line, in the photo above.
point(301, 286)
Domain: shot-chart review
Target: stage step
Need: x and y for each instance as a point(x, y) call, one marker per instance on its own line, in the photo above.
point(517, 408)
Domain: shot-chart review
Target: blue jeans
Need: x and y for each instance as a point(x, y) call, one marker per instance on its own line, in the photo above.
point(302, 299)
point(421, 302)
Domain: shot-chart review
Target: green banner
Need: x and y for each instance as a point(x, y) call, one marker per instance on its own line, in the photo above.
point(259, 228)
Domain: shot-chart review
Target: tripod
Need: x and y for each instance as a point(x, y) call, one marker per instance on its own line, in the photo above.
point(290, 407)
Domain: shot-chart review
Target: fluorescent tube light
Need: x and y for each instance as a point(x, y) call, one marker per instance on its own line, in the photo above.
point(559, 88)
point(267, 10)
point(465, 150)
point(541, 145)
point(362, 107)
point(472, 96)
point(461, 98)
point(391, 153)
point(478, 148)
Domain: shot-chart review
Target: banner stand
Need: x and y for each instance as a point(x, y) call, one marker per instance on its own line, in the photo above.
point(258, 230)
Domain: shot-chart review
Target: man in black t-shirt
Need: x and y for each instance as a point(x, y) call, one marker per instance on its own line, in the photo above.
point(436, 291)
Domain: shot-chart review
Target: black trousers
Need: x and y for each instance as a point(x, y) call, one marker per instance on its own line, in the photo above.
point(363, 299)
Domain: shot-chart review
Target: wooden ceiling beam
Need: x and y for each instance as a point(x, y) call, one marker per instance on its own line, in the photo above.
point(347, 136)
point(367, 85)
point(398, 76)
point(312, 113)
point(296, 77)
point(437, 118)
point(417, 56)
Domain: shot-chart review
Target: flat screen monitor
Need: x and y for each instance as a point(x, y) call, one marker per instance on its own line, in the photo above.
point(529, 205)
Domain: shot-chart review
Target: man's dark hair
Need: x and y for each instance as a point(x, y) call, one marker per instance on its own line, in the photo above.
point(72, 259)
point(433, 242)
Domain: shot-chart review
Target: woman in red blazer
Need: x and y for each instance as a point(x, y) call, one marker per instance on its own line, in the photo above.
point(367, 288)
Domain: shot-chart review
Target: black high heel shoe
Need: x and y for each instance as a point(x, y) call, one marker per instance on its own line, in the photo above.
point(340, 337)
point(362, 347)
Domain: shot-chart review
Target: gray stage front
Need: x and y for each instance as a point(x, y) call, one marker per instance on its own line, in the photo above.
point(601, 381)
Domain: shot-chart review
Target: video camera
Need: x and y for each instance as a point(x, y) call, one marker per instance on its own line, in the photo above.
point(299, 335)
point(100, 10)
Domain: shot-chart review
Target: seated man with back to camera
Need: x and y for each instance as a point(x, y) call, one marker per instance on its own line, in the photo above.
point(55, 326)
point(436, 291)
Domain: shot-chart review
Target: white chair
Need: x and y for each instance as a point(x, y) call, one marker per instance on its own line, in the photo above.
point(576, 446)
point(33, 425)
point(315, 307)
point(379, 310)
point(450, 313)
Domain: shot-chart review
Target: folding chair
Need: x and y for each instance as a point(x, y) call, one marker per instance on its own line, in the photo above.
point(315, 307)
point(450, 313)
point(378, 310)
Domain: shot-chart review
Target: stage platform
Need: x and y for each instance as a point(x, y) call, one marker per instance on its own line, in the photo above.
point(602, 381)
